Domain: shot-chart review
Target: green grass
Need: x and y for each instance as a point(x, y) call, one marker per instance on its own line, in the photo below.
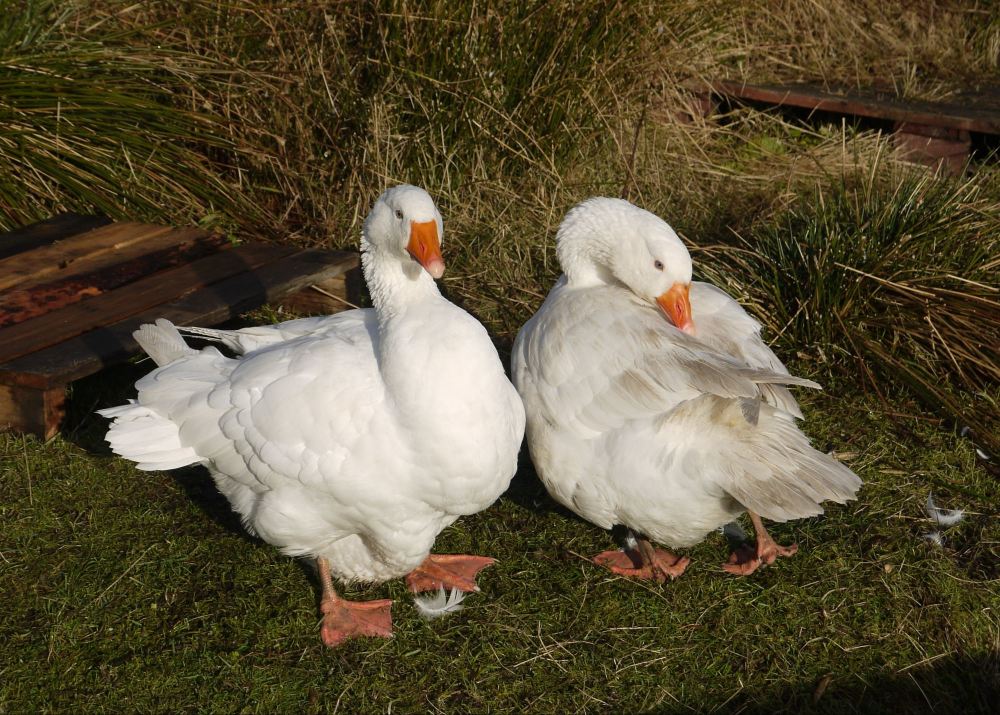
point(133, 591)
point(128, 591)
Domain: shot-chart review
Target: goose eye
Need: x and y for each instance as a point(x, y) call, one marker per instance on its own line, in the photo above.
point(658, 265)
point(399, 214)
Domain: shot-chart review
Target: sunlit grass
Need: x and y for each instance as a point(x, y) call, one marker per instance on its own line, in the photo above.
point(131, 591)
point(139, 591)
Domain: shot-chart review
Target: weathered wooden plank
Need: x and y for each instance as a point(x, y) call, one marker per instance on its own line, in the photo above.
point(45, 260)
point(109, 344)
point(45, 232)
point(946, 149)
point(324, 297)
point(91, 277)
point(32, 411)
point(65, 323)
point(125, 252)
point(966, 116)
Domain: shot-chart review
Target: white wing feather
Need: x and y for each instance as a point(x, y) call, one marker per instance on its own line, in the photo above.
point(246, 340)
point(629, 412)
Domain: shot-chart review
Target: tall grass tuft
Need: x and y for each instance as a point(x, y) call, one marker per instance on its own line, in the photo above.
point(462, 77)
point(464, 98)
point(926, 50)
point(894, 274)
point(102, 125)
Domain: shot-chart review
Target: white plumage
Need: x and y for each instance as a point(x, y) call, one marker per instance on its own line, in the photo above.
point(246, 340)
point(669, 427)
point(353, 438)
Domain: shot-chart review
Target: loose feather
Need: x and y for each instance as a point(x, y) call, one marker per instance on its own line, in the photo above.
point(436, 605)
point(943, 517)
point(935, 538)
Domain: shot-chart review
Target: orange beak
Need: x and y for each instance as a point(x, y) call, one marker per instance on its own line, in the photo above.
point(425, 247)
point(676, 304)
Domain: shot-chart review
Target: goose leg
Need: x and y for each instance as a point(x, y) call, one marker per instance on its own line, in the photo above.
point(767, 548)
point(744, 560)
point(639, 559)
point(350, 619)
point(451, 571)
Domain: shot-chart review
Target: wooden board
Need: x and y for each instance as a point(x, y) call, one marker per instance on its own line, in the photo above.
point(93, 276)
point(969, 115)
point(122, 252)
point(332, 295)
point(46, 232)
point(73, 290)
point(108, 344)
point(64, 323)
point(46, 260)
point(26, 409)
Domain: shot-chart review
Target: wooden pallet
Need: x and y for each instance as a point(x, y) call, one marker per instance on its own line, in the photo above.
point(74, 288)
point(934, 133)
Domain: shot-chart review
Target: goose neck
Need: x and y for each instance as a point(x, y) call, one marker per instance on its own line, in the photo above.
point(394, 283)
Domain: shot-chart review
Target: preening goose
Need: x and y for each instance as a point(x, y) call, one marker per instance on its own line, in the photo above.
point(653, 404)
point(354, 444)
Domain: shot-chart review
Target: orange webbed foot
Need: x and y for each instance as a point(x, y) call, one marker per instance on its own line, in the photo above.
point(343, 620)
point(450, 571)
point(661, 565)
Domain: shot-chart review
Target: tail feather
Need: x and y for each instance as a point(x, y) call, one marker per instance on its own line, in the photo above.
point(154, 433)
point(162, 342)
point(765, 462)
point(148, 431)
point(791, 478)
point(147, 438)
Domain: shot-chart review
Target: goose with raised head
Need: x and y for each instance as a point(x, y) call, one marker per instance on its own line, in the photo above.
point(354, 445)
point(654, 408)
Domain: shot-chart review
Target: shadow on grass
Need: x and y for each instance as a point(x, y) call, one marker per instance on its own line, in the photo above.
point(527, 491)
point(108, 388)
point(87, 430)
point(954, 684)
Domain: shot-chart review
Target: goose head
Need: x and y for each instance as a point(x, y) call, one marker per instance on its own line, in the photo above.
point(405, 223)
point(612, 241)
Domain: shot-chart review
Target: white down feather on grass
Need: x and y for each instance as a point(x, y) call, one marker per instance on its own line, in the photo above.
point(436, 605)
point(944, 518)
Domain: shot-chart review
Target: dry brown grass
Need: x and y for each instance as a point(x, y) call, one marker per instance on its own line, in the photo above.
point(928, 50)
point(352, 96)
point(509, 114)
point(330, 101)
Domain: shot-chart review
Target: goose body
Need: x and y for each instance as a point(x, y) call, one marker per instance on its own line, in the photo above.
point(353, 439)
point(669, 425)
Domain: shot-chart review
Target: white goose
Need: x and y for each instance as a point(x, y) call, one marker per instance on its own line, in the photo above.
point(670, 426)
point(355, 444)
